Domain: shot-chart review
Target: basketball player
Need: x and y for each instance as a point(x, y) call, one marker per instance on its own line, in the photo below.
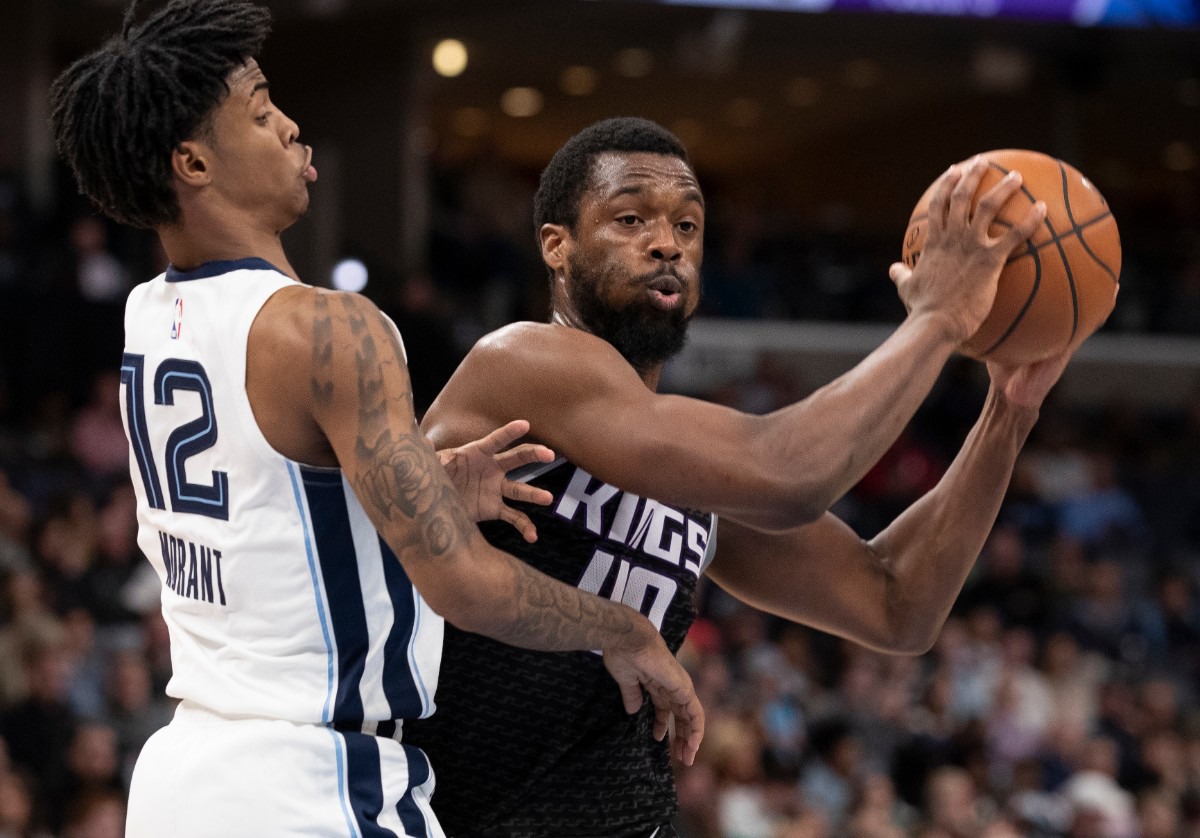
point(528, 744)
point(307, 536)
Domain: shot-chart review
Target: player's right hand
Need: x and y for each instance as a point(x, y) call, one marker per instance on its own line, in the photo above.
point(647, 664)
point(956, 276)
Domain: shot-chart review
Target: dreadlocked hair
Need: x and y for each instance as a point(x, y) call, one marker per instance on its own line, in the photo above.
point(119, 113)
point(569, 173)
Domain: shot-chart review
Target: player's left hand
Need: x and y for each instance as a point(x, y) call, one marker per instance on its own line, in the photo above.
point(1028, 386)
point(479, 471)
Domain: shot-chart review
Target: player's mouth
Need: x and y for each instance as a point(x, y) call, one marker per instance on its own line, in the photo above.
point(309, 172)
point(666, 292)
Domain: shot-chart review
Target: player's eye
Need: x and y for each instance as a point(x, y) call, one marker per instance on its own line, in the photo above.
point(688, 226)
point(262, 118)
point(628, 220)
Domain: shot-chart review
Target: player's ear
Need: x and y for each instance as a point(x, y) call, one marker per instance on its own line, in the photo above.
point(190, 165)
point(554, 239)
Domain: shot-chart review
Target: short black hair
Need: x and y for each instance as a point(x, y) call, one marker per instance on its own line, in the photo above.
point(119, 112)
point(569, 173)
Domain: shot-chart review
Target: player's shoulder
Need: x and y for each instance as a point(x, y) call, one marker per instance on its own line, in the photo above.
point(541, 346)
point(297, 309)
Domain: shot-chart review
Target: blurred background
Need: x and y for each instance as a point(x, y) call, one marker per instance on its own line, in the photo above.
point(1061, 699)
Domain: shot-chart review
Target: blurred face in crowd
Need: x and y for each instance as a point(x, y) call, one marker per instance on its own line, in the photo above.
point(633, 262)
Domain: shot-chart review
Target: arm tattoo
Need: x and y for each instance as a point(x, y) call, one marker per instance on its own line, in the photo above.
point(550, 615)
point(398, 475)
point(322, 352)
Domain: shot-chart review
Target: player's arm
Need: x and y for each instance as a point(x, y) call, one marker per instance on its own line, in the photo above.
point(362, 403)
point(894, 591)
point(775, 471)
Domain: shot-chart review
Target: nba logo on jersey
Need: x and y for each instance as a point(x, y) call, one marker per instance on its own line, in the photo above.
point(177, 326)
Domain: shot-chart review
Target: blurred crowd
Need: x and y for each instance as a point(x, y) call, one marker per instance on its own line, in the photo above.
point(1060, 699)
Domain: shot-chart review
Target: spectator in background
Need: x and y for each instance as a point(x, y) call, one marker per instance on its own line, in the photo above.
point(1101, 807)
point(89, 664)
point(829, 781)
point(100, 277)
point(27, 622)
point(98, 814)
point(735, 753)
point(1108, 620)
point(1073, 678)
point(114, 577)
point(135, 709)
point(1004, 581)
point(878, 813)
point(954, 808)
point(40, 728)
point(1102, 515)
point(92, 768)
point(16, 515)
point(97, 435)
point(1159, 816)
point(18, 814)
point(66, 548)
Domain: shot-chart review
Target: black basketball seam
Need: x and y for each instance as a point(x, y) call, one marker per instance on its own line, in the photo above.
point(1077, 228)
point(1074, 232)
point(1066, 190)
point(1037, 275)
point(1037, 280)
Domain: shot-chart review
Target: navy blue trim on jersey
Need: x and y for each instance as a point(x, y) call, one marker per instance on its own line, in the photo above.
point(418, 774)
point(365, 784)
point(320, 604)
point(343, 587)
point(191, 439)
point(404, 694)
point(132, 372)
point(223, 266)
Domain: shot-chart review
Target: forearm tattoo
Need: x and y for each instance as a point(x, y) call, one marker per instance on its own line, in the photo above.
point(398, 477)
point(550, 615)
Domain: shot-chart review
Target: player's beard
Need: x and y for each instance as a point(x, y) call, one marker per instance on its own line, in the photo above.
point(644, 335)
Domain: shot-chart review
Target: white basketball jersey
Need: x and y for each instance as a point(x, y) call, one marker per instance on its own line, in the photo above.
point(281, 599)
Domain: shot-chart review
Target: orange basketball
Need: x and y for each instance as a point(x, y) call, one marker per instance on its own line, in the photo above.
point(1059, 286)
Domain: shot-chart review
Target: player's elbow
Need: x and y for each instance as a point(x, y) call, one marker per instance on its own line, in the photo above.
point(784, 504)
point(910, 630)
point(479, 597)
point(792, 491)
point(899, 640)
point(912, 642)
point(468, 612)
point(461, 601)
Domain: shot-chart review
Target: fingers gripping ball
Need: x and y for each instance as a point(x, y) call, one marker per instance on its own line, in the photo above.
point(1061, 284)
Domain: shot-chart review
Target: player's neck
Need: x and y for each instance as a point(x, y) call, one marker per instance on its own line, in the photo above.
point(566, 316)
point(189, 246)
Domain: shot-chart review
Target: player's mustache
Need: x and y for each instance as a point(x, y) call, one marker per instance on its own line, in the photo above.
point(658, 273)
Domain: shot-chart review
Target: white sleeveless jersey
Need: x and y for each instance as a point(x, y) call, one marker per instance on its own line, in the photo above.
point(281, 599)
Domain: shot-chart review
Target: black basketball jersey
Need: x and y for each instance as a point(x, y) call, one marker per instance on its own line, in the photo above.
point(538, 744)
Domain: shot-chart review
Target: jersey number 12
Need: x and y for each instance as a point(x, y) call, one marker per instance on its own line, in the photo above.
point(186, 441)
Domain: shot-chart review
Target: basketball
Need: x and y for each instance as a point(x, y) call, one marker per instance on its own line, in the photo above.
point(1058, 287)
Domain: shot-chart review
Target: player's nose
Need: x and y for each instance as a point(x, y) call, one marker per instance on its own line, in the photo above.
point(662, 245)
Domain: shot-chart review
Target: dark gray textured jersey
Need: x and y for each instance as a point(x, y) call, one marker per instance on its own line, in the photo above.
point(527, 744)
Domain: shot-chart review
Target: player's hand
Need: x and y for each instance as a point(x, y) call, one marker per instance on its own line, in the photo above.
point(479, 471)
point(957, 273)
point(649, 665)
point(1028, 386)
